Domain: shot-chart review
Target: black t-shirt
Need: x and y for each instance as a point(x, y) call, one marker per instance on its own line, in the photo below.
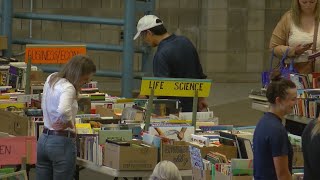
point(311, 153)
point(176, 57)
point(270, 140)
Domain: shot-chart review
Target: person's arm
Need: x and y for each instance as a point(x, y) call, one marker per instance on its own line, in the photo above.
point(281, 166)
point(66, 100)
point(202, 104)
point(280, 149)
point(180, 135)
point(161, 134)
point(280, 35)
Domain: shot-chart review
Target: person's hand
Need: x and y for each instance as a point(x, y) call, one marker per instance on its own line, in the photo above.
point(59, 125)
point(302, 48)
point(202, 104)
point(180, 135)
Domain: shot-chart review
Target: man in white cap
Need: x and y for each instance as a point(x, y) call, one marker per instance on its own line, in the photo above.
point(176, 57)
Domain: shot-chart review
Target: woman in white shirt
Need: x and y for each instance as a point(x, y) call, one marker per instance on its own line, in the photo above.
point(56, 148)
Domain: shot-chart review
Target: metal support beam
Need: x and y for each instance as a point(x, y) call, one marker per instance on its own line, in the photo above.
point(66, 18)
point(146, 65)
point(90, 46)
point(6, 27)
point(114, 74)
point(127, 65)
point(148, 7)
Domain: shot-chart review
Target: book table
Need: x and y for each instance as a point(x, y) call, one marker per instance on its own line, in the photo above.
point(117, 173)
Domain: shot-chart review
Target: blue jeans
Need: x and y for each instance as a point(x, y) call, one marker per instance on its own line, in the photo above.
point(56, 158)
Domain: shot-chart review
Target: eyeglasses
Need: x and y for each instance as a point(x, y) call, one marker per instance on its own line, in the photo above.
point(143, 34)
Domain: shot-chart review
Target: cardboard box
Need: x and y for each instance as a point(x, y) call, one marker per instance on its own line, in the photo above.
point(229, 151)
point(198, 174)
point(220, 176)
point(297, 159)
point(13, 124)
point(178, 153)
point(3, 42)
point(297, 176)
point(129, 157)
point(37, 77)
point(106, 112)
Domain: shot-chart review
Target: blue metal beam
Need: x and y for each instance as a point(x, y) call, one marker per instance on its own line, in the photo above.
point(90, 46)
point(127, 65)
point(6, 28)
point(66, 18)
point(146, 65)
point(144, 6)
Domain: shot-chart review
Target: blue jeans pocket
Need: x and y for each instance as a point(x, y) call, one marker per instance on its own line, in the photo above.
point(56, 152)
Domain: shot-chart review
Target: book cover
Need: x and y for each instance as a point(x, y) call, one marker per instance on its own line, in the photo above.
point(123, 135)
point(83, 128)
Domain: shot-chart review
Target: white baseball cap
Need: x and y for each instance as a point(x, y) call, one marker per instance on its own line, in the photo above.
point(145, 23)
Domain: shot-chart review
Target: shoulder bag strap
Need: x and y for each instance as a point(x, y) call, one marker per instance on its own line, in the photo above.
point(315, 36)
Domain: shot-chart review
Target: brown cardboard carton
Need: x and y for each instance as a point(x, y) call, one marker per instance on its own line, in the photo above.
point(130, 157)
point(106, 112)
point(3, 42)
point(229, 151)
point(297, 160)
point(37, 77)
point(13, 124)
point(178, 153)
point(198, 174)
point(220, 176)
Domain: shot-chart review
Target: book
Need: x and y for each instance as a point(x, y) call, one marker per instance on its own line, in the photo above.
point(176, 132)
point(242, 166)
point(83, 128)
point(124, 135)
point(151, 139)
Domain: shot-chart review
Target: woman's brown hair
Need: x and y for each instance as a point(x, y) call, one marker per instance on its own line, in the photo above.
point(296, 12)
point(76, 67)
point(278, 87)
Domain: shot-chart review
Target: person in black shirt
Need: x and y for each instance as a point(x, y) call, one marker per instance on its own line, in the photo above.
point(311, 148)
point(176, 57)
point(272, 150)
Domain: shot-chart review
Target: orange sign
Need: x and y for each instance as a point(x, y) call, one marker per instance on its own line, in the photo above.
point(12, 149)
point(52, 54)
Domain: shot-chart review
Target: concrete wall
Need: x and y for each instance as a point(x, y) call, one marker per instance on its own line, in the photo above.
point(231, 36)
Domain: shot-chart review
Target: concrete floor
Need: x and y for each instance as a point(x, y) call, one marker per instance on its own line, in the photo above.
point(229, 102)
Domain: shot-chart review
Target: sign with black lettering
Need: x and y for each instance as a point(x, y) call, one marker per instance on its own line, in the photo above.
point(178, 153)
point(175, 87)
point(52, 54)
point(12, 149)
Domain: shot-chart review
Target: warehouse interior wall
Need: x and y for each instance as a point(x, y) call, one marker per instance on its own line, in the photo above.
point(231, 36)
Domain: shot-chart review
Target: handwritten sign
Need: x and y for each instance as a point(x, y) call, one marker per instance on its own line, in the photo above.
point(12, 149)
point(175, 87)
point(178, 153)
point(52, 54)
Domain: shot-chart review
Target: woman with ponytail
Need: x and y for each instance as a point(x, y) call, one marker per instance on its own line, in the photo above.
point(272, 149)
point(311, 148)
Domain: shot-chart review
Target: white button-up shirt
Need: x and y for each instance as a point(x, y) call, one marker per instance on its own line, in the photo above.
point(59, 102)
